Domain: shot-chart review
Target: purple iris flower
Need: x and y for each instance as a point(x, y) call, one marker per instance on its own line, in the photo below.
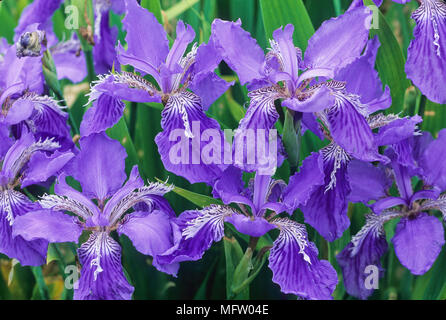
point(174, 73)
point(326, 209)
point(24, 162)
point(99, 167)
point(426, 64)
point(293, 258)
point(419, 236)
point(22, 102)
point(305, 85)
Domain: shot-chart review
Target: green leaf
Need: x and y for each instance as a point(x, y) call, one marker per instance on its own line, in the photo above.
point(8, 23)
point(233, 256)
point(244, 10)
point(201, 292)
point(50, 73)
point(86, 21)
point(291, 139)
point(390, 61)
point(196, 198)
point(239, 289)
point(40, 282)
point(153, 6)
point(179, 8)
point(246, 272)
point(434, 116)
point(237, 111)
point(279, 13)
point(437, 280)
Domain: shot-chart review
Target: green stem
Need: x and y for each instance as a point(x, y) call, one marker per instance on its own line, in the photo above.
point(329, 253)
point(292, 138)
point(41, 285)
point(422, 105)
point(253, 243)
point(67, 294)
point(90, 65)
point(337, 7)
point(29, 194)
point(132, 122)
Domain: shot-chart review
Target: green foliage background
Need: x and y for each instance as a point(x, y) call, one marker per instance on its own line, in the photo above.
point(207, 279)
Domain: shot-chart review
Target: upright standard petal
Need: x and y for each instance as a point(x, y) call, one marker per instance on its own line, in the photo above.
point(238, 49)
point(426, 55)
point(295, 265)
point(104, 53)
point(39, 11)
point(362, 79)
point(185, 35)
point(99, 166)
point(418, 242)
point(29, 253)
point(339, 40)
point(288, 53)
point(146, 39)
point(102, 276)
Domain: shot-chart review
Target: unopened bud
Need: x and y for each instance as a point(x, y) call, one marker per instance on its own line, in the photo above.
point(30, 44)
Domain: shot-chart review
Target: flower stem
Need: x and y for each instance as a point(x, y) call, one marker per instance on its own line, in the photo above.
point(253, 243)
point(292, 138)
point(90, 65)
point(41, 285)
